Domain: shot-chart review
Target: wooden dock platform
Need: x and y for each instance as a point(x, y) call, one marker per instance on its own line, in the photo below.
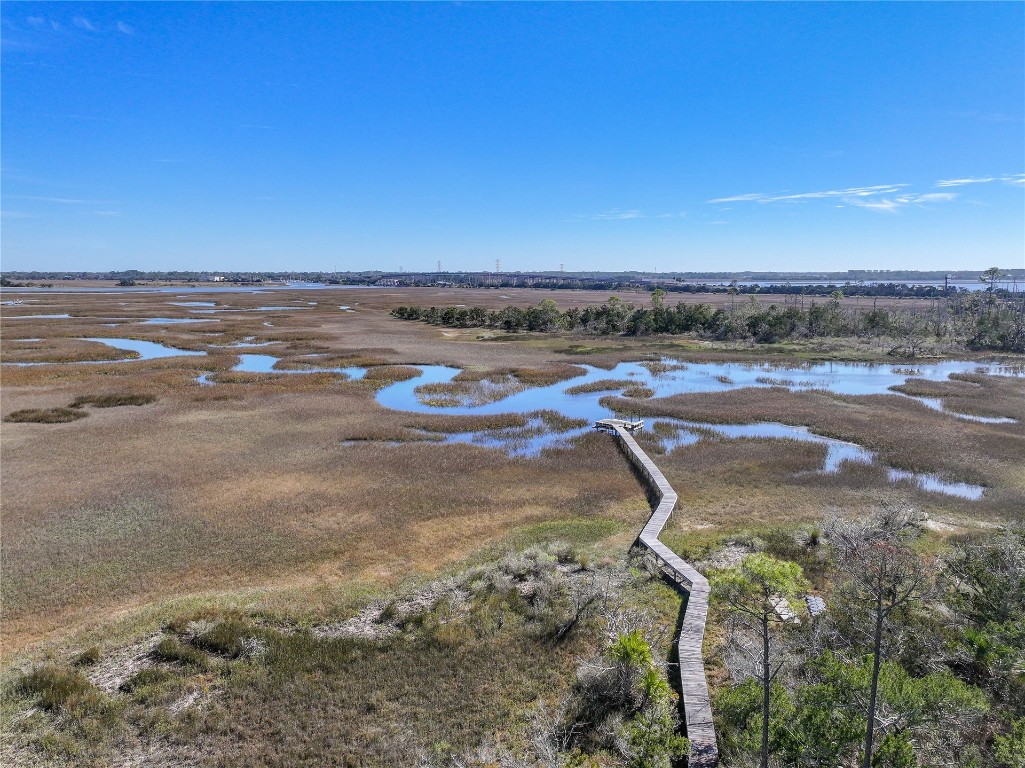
point(609, 425)
point(697, 707)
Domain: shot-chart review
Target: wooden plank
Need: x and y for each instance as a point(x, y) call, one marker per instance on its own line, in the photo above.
point(697, 707)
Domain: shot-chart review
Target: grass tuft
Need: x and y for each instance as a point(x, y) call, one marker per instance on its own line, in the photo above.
point(602, 385)
point(56, 687)
point(172, 650)
point(87, 658)
point(228, 638)
point(112, 400)
point(639, 392)
point(45, 416)
point(146, 678)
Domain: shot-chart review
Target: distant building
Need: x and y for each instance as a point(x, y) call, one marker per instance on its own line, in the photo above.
point(215, 278)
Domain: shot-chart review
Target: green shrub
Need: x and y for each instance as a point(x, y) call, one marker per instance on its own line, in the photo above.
point(630, 648)
point(653, 738)
point(1009, 749)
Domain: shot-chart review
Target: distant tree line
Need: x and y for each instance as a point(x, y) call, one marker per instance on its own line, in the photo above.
point(980, 321)
point(888, 283)
point(897, 290)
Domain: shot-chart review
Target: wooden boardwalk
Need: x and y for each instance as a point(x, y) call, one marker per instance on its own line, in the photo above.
point(697, 708)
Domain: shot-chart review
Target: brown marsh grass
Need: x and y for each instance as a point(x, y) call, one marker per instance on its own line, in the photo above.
point(468, 393)
point(602, 385)
point(639, 392)
point(245, 487)
point(391, 373)
point(112, 400)
point(268, 496)
point(44, 416)
point(906, 435)
point(973, 394)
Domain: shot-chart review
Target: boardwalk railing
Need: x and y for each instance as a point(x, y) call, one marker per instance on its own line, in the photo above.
point(697, 706)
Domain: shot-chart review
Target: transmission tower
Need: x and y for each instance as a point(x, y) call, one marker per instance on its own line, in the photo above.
point(498, 265)
point(439, 265)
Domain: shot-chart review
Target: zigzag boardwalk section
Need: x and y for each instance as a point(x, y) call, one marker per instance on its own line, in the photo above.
point(697, 706)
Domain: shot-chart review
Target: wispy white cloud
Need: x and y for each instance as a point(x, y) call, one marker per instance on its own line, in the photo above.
point(107, 213)
point(739, 198)
point(934, 197)
point(756, 197)
point(1011, 178)
point(962, 182)
point(893, 204)
point(884, 205)
point(879, 189)
point(80, 22)
point(886, 198)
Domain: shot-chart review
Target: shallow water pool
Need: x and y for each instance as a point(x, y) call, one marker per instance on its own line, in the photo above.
point(666, 378)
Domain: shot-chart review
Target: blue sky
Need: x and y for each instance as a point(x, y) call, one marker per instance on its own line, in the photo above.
point(695, 136)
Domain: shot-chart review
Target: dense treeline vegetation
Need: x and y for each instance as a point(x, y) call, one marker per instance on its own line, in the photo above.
point(893, 289)
point(914, 659)
point(892, 283)
point(980, 321)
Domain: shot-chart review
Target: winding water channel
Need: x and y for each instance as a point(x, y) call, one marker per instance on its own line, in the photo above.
point(671, 378)
point(582, 400)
